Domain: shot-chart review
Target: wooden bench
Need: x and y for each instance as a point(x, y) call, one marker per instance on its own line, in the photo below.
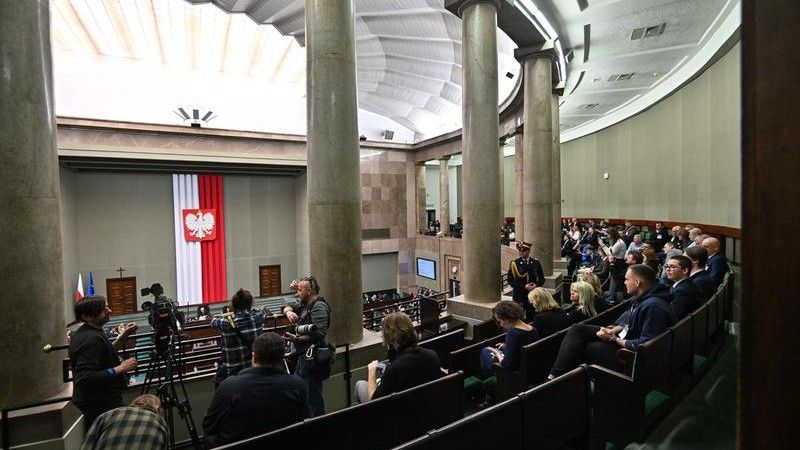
point(556, 413)
point(375, 425)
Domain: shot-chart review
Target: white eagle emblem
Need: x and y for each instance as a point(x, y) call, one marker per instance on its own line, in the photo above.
point(199, 224)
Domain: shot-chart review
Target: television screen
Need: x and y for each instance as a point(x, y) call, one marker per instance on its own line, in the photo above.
point(426, 268)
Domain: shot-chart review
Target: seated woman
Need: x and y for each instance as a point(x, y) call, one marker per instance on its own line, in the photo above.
point(409, 365)
point(549, 318)
point(582, 296)
point(600, 303)
point(508, 315)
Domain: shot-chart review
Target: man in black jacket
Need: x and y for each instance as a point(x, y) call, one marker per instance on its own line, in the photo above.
point(524, 275)
point(99, 376)
point(684, 295)
point(717, 264)
point(698, 255)
point(650, 314)
point(257, 400)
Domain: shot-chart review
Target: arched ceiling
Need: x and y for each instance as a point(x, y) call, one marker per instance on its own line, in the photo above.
point(408, 55)
point(244, 60)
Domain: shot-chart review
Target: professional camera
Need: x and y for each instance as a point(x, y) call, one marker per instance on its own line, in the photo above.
point(164, 317)
point(305, 329)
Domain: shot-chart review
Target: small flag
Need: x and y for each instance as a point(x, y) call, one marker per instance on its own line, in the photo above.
point(79, 291)
point(90, 285)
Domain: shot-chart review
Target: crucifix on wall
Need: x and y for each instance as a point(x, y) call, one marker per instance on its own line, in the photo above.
point(120, 270)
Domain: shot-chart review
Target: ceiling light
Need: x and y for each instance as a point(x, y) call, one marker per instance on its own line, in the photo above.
point(195, 116)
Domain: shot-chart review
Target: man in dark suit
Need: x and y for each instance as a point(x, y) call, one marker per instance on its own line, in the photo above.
point(699, 276)
point(661, 235)
point(717, 264)
point(525, 274)
point(630, 231)
point(683, 295)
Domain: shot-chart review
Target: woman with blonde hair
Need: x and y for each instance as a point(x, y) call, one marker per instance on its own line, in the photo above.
point(600, 303)
point(549, 318)
point(582, 296)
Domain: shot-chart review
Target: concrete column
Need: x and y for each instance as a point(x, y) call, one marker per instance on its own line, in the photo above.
point(519, 180)
point(556, 125)
point(481, 186)
point(444, 194)
point(538, 153)
point(422, 209)
point(30, 225)
point(334, 200)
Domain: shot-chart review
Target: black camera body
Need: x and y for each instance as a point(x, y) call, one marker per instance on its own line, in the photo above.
point(164, 317)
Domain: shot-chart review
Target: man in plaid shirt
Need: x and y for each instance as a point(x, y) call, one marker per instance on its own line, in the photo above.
point(137, 426)
point(238, 329)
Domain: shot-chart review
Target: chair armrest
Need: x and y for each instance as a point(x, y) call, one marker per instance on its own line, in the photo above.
point(627, 358)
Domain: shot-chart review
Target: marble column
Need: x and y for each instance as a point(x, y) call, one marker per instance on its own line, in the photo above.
point(519, 180)
point(30, 225)
point(538, 152)
point(555, 127)
point(334, 200)
point(422, 198)
point(444, 194)
point(481, 187)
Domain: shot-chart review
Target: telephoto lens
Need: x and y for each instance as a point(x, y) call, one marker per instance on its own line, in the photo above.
point(306, 329)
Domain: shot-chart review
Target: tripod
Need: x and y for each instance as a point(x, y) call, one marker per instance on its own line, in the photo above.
point(165, 340)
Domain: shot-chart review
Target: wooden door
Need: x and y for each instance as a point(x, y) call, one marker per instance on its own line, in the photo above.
point(121, 295)
point(269, 280)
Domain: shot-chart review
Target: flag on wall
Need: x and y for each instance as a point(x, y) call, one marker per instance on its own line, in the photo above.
point(199, 263)
point(79, 290)
point(90, 285)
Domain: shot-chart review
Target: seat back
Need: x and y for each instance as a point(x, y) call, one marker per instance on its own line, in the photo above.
point(497, 427)
point(556, 412)
point(681, 344)
point(699, 328)
point(429, 314)
point(538, 357)
point(467, 359)
point(485, 330)
point(713, 311)
point(445, 343)
point(652, 361)
point(416, 411)
point(420, 443)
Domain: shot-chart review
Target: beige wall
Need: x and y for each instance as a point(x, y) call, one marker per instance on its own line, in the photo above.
point(679, 160)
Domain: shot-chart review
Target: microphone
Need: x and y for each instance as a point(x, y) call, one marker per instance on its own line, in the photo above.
point(47, 348)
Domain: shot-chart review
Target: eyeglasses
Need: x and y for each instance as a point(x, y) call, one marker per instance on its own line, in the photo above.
point(670, 266)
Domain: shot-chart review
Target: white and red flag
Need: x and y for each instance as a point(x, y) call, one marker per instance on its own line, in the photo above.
point(79, 291)
point(199, 238)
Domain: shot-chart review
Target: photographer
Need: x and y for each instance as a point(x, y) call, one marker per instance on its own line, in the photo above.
point(312, 310)
point(239, 329)
point(99, 376)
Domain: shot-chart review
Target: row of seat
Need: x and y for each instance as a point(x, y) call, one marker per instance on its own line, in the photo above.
point(376, 425)
point(591, 405)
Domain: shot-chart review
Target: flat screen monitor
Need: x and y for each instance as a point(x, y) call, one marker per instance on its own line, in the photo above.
point(426, 268)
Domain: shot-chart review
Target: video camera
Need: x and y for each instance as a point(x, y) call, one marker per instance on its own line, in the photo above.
point(305, 329)
point(164, 317)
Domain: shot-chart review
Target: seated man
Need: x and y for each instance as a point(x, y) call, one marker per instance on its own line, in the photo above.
point(650, 314)
point(260, 399)
point(636, 244)
point(129, 427)
point(698, 255)
point(409, 365)
point(717, 264)
point(684, 295)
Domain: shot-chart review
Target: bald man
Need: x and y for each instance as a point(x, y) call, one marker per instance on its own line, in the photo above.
point(717, 264)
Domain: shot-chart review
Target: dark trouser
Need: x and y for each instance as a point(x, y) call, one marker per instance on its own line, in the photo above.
point(316, 401)
point(92, 410)
point(580, 345)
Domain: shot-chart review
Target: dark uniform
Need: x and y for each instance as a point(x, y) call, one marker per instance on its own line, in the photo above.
point(522, 271)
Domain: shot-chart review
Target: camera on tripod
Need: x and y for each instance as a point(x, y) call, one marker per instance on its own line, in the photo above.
point(164, 317)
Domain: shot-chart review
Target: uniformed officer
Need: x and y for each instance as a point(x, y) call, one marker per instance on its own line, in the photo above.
point(525, 274)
